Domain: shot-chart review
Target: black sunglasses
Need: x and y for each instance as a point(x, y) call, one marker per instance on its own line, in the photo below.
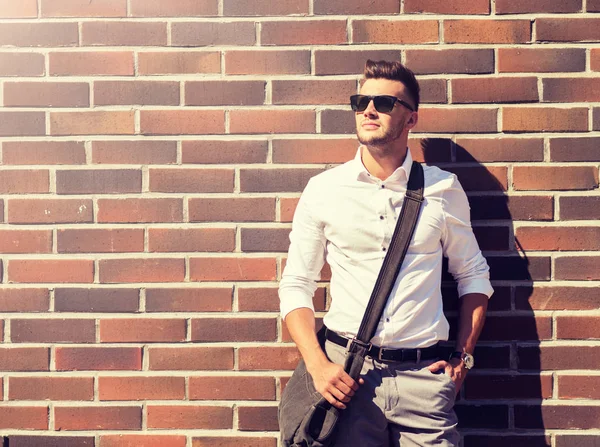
point(382, 103)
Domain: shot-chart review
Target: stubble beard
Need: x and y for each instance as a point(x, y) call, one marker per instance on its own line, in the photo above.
point(380, 144)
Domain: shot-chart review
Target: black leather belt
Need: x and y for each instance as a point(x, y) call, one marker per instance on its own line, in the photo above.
point(385, 354)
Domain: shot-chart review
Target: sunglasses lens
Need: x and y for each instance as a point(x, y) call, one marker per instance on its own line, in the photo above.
point(384, 104)
point(359, 102)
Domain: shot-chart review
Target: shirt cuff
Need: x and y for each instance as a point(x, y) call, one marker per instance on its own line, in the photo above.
point(481, 285)
point(291, 301)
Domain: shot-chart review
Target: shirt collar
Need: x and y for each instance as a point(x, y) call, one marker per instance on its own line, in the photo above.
point(400, 175)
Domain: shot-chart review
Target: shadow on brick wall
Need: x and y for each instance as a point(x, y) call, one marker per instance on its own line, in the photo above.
point(500, 402)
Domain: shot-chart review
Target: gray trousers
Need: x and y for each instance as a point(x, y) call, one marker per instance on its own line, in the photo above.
point(400, 404)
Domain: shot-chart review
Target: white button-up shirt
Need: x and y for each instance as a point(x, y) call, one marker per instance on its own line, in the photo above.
point(347, 217)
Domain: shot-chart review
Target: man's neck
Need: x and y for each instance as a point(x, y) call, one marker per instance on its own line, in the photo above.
point(382, 163)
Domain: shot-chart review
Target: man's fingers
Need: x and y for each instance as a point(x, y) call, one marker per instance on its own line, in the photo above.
point(333, 401)
point(441, 364)
point(347, 380)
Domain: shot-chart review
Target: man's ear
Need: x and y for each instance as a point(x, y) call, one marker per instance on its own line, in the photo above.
point(413, 120)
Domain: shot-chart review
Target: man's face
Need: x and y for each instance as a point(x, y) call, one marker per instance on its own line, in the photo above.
point(375, 128)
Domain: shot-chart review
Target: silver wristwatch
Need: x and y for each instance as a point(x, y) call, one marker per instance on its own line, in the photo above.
point(467, 358)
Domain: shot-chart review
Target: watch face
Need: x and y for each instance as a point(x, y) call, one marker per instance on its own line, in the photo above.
point(469, 360)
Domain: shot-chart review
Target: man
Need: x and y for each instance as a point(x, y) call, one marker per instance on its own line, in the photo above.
point(346, 216)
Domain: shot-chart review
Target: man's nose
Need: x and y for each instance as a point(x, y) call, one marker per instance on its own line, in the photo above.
point(370, 110)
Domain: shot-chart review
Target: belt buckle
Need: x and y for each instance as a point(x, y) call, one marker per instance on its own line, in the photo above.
point(379, 354)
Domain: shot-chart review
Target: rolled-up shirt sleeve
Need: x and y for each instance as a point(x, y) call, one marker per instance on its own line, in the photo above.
point(306, 256)
point(465, 261)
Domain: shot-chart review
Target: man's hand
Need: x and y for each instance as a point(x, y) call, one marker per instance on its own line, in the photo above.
point(455, 369)
point(334, 384)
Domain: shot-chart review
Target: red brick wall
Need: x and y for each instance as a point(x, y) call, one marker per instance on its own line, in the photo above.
point(152, 153)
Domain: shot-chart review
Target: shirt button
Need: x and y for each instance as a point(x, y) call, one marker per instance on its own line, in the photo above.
point(387, 320)
point(383, 186)
point(383, 248)
point(381, 217)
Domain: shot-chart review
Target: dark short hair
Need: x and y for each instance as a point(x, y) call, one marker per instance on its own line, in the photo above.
point(394, 71)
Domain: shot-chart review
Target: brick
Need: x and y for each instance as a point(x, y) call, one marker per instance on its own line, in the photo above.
point(487, 31)
point(123, 33)
point(98, 359)
point(492, 238)
point(568, 29)
point(191, 239)
point(208, 93)
point(271, 180)
point(83, 8)
point(501, 440)
point(98, 418)
point(18, 124)
point(92, 123)
point(34, 211)
point(191, 180)
point(25, 241)
point(258, 419)
point(559, 238)
point(571, 90)
point(182, 8)
point(39, 34)
point(53, 331)
point(395, 31)
point(522, 328)
point(268, 358)
point(272, 121)
point(140, 210)
point(143, 441)
point(593, 6)
point(557, 298)
point(499, 149)
point(18, 10)
point(457, 120)
point(24, 418)
point(213, 299)
point(91, 63)
point(217, 152)
point(531, 386)
point(222, 441)
point(180, 62)
point(141, 270)
point(96, 300)
point(338, 122)
point(253, 299)
point(547, 358)
point(43, 153)
point(557, 416)
point(232, 269)
point(136, 92)
point(483, 416)
point(51, 388)
point(267, 62)
point(595, 57)
point(251, 209)
point(447, 7)
point(141, 388)
point(554, 178)
point(232, 388)
point(201, 34)
point(517, 268)
point(579, 208)
point(312, 92)
point(265, 239)
point(187, 122)
point(99, 181)
point(349, 7)
point(134, 330)
point(547, 6)
point(331, 62)
point(570, 327)
point(338, 150)
point(24, 359)
point(261, 8)
point(494, 90)
point(99, 240)
point(52, 441)
point(578, 440)
point(541, 60)
point(596, 123)
point(467, 61)
point(134, 152)
point(234, 329)
point(570, 149)
point(24, 300)
point(190, 359)
point(306, 32)
point(574, 268)
point(20, 181)
point(51, 271)
point(22, 64)
point(189, 417)
point(544, 119)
